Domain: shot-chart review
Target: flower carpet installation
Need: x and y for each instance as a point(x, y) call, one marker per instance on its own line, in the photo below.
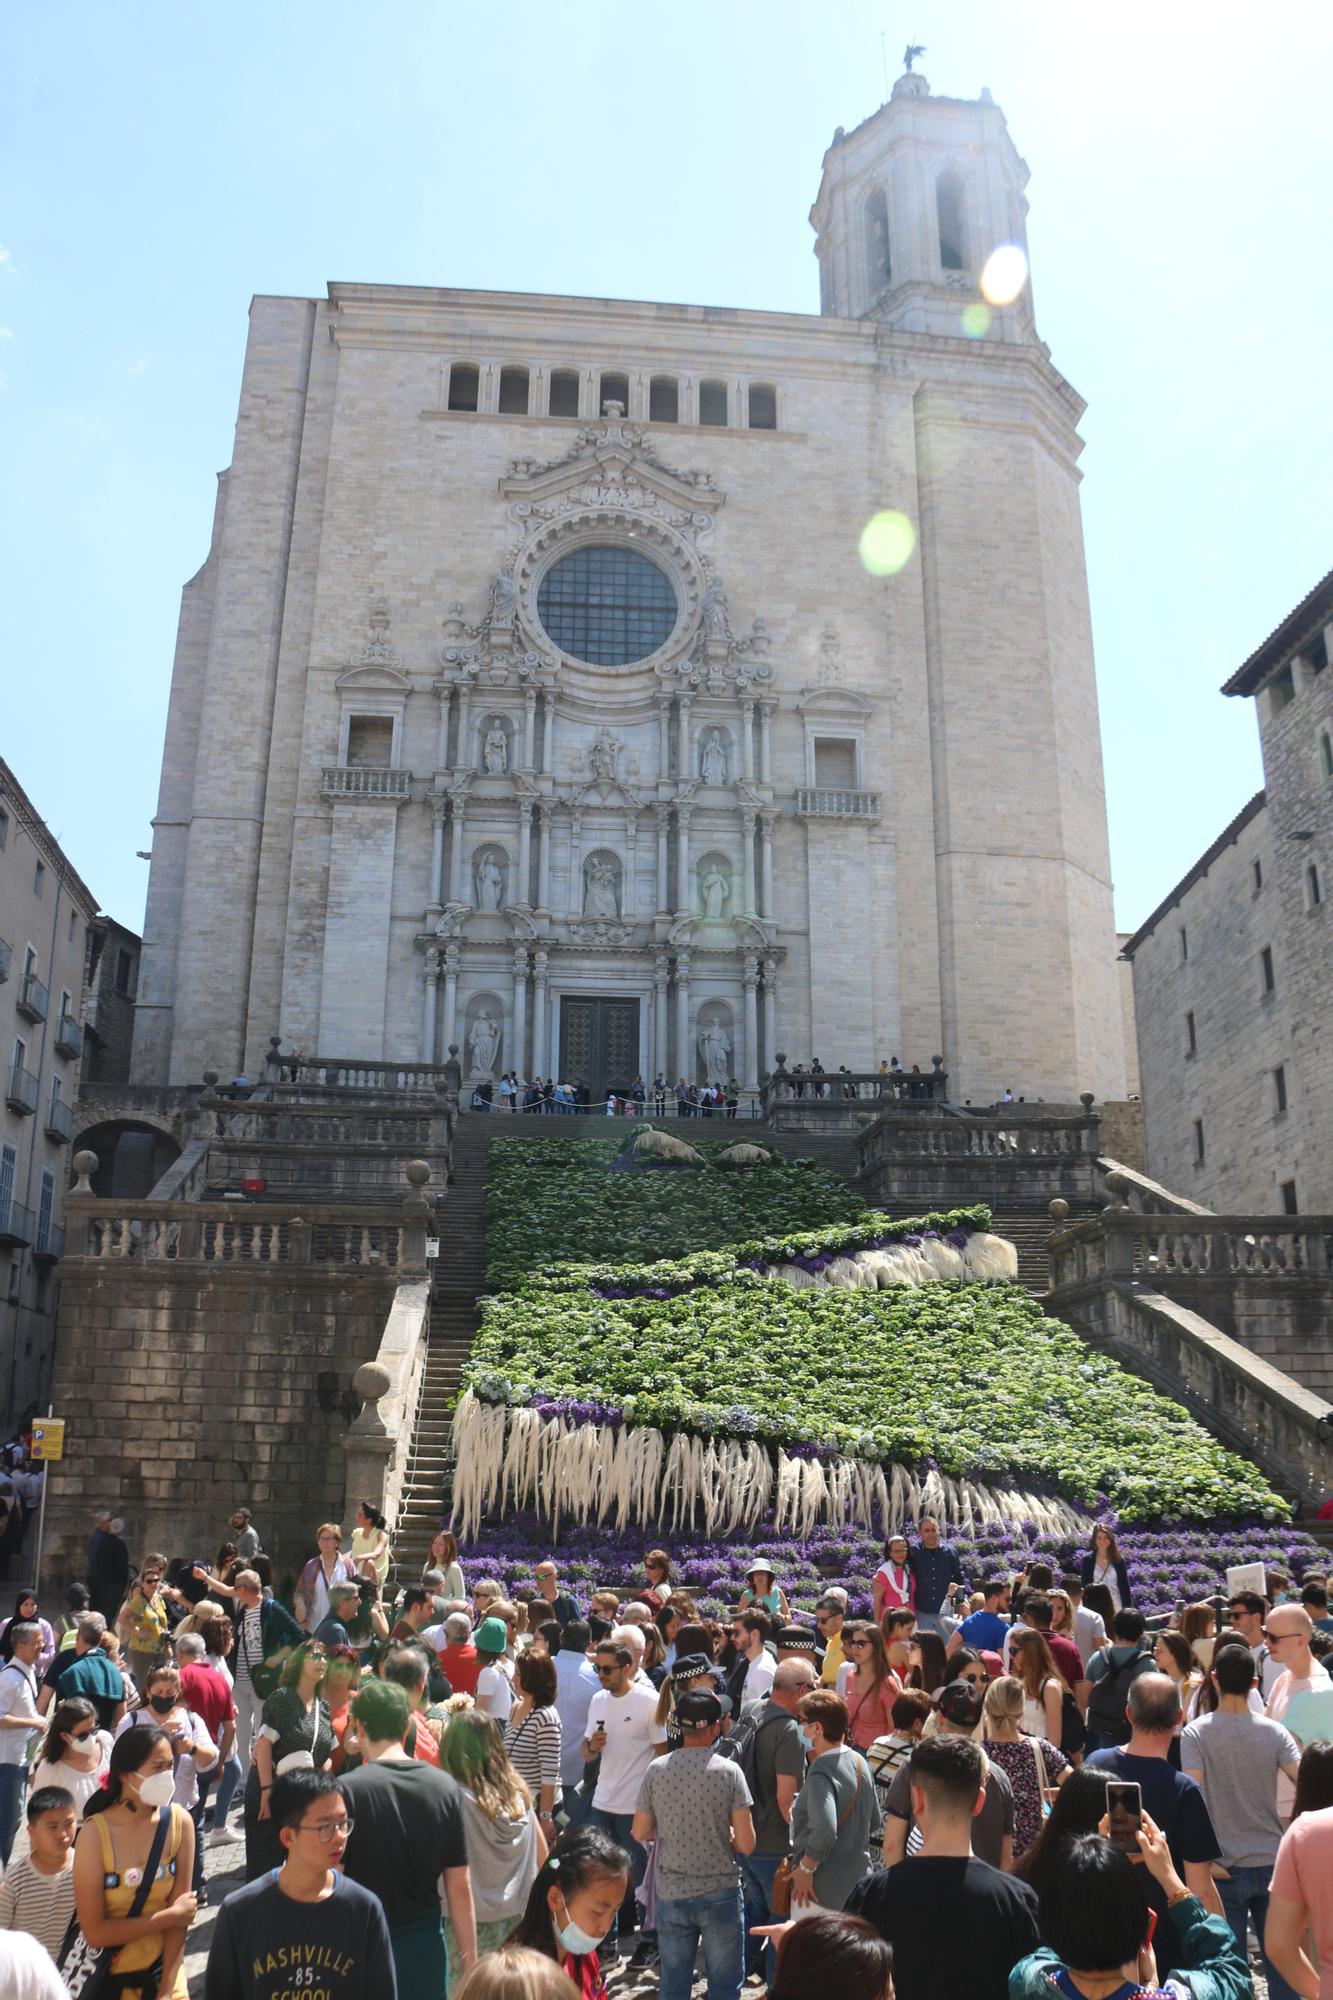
point(846, 1370)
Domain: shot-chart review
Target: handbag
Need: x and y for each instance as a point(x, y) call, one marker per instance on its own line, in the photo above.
point(780, 1896)
point(1043, 1785)
point(86, 1968)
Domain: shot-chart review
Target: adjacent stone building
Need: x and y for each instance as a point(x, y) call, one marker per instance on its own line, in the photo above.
point(1233, 971)
point(45, 911)
point(534, 695)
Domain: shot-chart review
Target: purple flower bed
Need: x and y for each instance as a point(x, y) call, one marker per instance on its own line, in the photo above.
point(1170, 1564)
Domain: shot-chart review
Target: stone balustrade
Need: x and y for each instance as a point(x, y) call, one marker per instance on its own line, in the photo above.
point(356, 781)
point(378, 1444)
point(340, 1073)
point(1121, 1243)
point(211, 1233)
point(1148, 1197)
point(319, 1125)
point(828, 802)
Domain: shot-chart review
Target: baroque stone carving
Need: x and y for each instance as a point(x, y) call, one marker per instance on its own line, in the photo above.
point(714, 892)
point(490, 883)
point(601, 888)
point(483, 1044)
point(715, 1051)
point(714, 760)
point(495, 752)
point(601, 756)
point(603, 934)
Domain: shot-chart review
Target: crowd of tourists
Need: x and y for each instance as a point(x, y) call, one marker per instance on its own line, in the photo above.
point(992, 1786)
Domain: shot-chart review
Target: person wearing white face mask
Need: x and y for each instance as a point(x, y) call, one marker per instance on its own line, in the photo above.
point(136, 1853)
point(74, 1753)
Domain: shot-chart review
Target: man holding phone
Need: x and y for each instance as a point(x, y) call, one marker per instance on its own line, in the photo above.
point(1172, 1800)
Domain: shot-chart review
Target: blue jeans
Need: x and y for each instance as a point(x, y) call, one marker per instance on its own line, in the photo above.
point(757, 1872)
point(1245, 1896)
point(618, 1826)
point(13, 1784)
point(716, 1920)
point(227, 1783)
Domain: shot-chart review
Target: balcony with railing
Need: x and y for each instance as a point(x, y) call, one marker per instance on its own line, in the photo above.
point(365, 781)
point(15, 1225)
point(49, 1242)
point(69, 1037)
point(833, 802)
point(21, 1090)
point(6, 959)
point(34, 999)
point(59, 1121)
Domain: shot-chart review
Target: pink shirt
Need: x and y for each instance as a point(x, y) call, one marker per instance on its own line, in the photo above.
point(1303, 1873)
point(1284, 1687)
point(899, 1587)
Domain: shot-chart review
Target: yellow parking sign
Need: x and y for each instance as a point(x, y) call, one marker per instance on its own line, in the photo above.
point(48, 1437)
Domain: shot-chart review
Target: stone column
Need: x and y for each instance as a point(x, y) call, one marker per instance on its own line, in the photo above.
point(552, 714)
point(529, 724)
point(750, 1078)
point(445, 697)
point(576, 864)
point(682, 861)
point(451, 958)
point(770, 1010)
point(544, 855)
point(684, 1066)
point(456, 858)
point(661, 1053)
point(430, 985)
point(747, 741)
point(524, 851)
point(438, 809)
point(747, 824)
point(462, 753)
point(765, 743)
point(518, 1055)
point(663, 877)
point(766, 883)
point(539, 1013)
point(664, 736)
point(684, 760)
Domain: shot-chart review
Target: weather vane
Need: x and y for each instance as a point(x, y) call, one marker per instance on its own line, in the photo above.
point(912, 51)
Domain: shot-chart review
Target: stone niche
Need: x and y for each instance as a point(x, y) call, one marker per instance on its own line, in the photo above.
point(493, 751)
point(490, 877)
point(483, 1038)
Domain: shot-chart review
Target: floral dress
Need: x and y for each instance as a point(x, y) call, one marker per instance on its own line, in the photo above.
point(1019, 1763)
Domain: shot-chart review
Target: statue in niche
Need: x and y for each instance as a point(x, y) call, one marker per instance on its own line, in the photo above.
point(490, 883)
point(715, 1052)
point(602, 757)
point(601, 890)
point(715, 759)
point(483, 1044)
point(504, 597)
point(715, 890)
point(495, 752)
point(715, 611)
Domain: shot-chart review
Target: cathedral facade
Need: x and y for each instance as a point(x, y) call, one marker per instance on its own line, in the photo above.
point(535, 696)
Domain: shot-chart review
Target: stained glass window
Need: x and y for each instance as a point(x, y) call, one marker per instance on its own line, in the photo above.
point(608, 606)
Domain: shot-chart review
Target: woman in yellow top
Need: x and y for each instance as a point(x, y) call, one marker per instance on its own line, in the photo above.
point(111, 1854)
point(144, 1623)
point(370, 1543)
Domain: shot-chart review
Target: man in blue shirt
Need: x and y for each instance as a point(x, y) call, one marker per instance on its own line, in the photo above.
point(935, 1566)
point(576, 1682)
point(984, 1631)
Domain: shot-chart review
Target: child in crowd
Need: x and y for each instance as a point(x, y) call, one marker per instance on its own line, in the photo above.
point(37, 1894)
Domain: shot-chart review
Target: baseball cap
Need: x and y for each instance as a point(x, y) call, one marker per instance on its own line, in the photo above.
point(960, 1702)
point(698, 1709)
point(795, 1639)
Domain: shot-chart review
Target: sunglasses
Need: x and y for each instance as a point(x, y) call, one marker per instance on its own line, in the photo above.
point(83, 1736)
point(856, 1644)
point(606, 1673)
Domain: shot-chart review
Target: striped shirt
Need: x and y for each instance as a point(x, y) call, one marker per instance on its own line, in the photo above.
point(533, 1748)
point(39, 1904)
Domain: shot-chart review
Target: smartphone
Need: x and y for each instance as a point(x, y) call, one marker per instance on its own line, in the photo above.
point(1124, 1812)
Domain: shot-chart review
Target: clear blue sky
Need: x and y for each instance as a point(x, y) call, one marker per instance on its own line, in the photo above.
point(164, 162)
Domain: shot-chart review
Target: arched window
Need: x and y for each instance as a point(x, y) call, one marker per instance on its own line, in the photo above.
point(564, 397)
point(879, 267)
point(464, 381)
point(949, 213)
point(763, 399)
point(513, 392)
point(712, 402)
point(614, 389)
point(663, 400)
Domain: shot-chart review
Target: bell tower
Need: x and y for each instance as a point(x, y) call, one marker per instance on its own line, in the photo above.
point(910, 206)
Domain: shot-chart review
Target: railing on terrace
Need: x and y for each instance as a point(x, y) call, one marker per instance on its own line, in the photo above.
point(1121, 1244)
point(228, 1233)
point(833, 802)
point(953, 1138)
point(342, 1073)
point(854, 1091)
point(1147, 1197)
point(15, 1224)
point(357, 781)
point(69, 1036)
point(320, 1125)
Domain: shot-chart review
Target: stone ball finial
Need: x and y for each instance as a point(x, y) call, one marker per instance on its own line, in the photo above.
point(210, 1079)
point(937, 1062)
point(453, 1048)
point(1086, 1099)
point(1117, 1186)
point(275, 1041)
point(371, 1381)
point(85, 1166)
point(781, 1060)
point(1058, 1210)
point(441, 1083)
point(417, 1172)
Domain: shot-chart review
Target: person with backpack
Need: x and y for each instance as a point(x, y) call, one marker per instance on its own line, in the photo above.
point(1112, 1672)
point(771, 1755)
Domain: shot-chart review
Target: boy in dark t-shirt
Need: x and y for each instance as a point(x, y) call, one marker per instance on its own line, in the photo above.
point(304, 1921)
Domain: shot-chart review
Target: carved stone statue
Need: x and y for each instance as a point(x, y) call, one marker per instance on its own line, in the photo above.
point(715, 759)
point(601, 890)
point(504, 597)
point(715, 1052)
point(483, 1044)
point(490, 883)
point(715, 890)
point(602, 757)
point(715, 611)
point(495, 752)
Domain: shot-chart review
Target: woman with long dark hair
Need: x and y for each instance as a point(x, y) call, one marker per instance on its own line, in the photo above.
point(573, 1903)
point(833, 1954)
point(444, 1557)
point(1044, 1688)
point(1078, 1808)
point(929, 1669)
point(871, 1686)
point(74, 1753)
point(1106, 1566)
point(111, 1855)
point(294, 1733)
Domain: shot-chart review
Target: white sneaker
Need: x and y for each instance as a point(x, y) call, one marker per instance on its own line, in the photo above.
point(225, 1836)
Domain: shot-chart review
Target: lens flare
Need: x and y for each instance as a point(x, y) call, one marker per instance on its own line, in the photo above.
point(887, 542)
point(1004, 275)
point(976, 320)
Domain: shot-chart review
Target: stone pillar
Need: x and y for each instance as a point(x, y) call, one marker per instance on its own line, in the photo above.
point(661, 1053)
point(747, 824)
point(456, 858)
point(524, 851)
point(445, 696)
point(430, 983)
point(765, 743)
point(451, 957)
point(664, 736)
point(682, 861)
point(576, 864)
point(747, 741)
point(770, 1011)
point(518, 1057)
point(539, 1013)
point(552, 714)
point(663, 876)
point(544, 855)
point(438, 809)
point(750, 1077)
point(766, 883)
point(683, 1065)
point(629, 896)
point(684, 759)
point(462, 752)
point(529, 724)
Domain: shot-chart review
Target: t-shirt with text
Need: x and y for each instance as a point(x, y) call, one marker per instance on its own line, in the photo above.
point(267, 1946)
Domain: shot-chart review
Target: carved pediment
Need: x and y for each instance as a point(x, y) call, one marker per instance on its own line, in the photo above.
point(377, 678)
point(611, 465)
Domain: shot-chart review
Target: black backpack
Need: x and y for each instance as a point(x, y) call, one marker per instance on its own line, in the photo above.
point(1106, 1706)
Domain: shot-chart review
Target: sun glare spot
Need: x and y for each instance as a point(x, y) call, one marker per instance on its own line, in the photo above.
point(887, 542)
point(1004, 275)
